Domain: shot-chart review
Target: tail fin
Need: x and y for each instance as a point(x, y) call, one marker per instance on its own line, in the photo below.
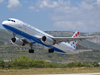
point(74, 43)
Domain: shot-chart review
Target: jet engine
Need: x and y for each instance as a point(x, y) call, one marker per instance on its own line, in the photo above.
point(47, 40)
point(17, 41)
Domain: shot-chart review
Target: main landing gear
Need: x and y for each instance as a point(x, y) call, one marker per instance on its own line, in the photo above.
point(31, 50)
point(51, 50)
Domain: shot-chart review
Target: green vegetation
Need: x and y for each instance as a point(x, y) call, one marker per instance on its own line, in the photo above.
point(24, 62)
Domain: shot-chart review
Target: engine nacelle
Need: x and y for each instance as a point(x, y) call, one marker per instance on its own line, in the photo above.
point(47, 40)
point(17, 41)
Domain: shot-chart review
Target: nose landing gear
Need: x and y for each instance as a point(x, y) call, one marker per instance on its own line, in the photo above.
point(13, 39)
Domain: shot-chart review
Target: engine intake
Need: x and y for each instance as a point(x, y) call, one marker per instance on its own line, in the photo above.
point(47, 40)
point(17, 41)
point(44, 38)
point(13, 40)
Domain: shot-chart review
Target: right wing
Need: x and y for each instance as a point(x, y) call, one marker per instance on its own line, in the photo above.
point(67, 39)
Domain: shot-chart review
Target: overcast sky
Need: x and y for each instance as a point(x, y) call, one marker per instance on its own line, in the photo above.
point(60, 15)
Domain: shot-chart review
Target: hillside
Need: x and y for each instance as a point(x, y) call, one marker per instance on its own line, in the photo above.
point(9, 51)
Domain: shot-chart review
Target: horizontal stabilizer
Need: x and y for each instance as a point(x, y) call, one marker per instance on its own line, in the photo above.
point(83, 50)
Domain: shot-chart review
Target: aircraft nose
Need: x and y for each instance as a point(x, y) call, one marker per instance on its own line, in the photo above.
point(4, 23)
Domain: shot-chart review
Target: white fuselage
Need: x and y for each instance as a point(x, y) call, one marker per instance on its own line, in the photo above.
point(32, 34)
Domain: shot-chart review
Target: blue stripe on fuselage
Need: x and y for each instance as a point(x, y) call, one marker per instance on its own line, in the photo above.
point(21, 33)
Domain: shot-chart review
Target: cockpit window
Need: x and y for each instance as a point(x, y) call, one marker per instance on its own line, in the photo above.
point(11, 20)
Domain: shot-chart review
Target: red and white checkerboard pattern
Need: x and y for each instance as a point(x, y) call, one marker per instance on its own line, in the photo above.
point(74, 43)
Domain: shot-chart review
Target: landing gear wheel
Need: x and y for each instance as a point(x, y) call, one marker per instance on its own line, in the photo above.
point(31, 51)
point(51, 50)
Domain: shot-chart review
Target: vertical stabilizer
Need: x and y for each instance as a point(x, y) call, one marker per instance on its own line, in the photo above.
point(74, 43)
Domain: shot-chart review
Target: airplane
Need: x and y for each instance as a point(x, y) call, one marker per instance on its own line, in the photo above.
point(33, 36)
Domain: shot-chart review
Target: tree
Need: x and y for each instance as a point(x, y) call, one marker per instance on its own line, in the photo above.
point(95, 64)
point(23, 62)
point(2, 63)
